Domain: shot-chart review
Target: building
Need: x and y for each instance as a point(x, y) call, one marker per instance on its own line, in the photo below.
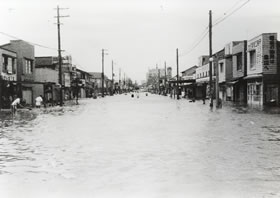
point(25, 69)
point(8, 77)
point(239, 71)
point(223, 67)
point(47, 73)
point(96, 78)
point(202, 88)
point(85, 83)
point(169, 73)
point(188, 85)
point(263, 70)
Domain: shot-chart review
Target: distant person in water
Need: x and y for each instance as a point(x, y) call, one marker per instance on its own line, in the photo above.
point(15, 104)
point(38, 101)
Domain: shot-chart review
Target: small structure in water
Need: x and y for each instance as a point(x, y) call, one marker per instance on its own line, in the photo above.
point(132, 95)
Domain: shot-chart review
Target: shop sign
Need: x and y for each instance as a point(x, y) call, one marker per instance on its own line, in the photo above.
point(8, 77)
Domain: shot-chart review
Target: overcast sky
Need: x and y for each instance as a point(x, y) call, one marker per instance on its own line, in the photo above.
point(137, 33)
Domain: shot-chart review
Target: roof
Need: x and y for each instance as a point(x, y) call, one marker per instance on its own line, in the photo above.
point(191, 69)
point(95, 74)
point(3, 47)
point(77, 69)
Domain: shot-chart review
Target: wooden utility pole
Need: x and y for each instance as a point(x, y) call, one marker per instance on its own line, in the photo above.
point(59, 54)
point(217, 85)
point(102, 74)
point(120, 80)
point(177, 87)
point(210, 59)
point(165, 78)
point(158, 71)
point(112, 77)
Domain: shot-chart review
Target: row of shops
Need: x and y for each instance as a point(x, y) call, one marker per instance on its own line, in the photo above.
point(244, 72)
point(26, 76)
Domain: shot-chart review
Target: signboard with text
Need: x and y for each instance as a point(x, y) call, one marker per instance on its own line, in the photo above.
point(8, 77)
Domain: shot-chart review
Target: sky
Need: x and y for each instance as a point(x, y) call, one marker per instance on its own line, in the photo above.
point(137, 34)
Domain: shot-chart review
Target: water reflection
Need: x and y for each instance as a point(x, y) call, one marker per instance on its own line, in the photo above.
point(123, 145)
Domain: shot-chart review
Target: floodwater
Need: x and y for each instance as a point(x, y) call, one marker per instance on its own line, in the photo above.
point(152, 146)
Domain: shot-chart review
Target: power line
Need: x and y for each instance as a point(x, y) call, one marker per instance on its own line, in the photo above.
point(203, 35)
point(205, 32)
point(228, 15)
point(231, 8)
point(35, 44)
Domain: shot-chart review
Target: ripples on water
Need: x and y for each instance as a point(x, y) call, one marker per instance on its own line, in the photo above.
point(152, 147)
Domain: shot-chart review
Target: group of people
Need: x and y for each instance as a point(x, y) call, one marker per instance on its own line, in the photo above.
point(20, 102)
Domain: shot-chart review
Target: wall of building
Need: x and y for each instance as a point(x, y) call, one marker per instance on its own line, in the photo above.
point(24, 51)
point(202, 73)
point(46, 75)
point(269, 50)
point(222, 73)
point(239, 49)
point(255, 44)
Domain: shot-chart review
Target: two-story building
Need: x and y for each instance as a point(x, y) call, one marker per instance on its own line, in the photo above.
point(222, 67)
point(202, 78)
point(85, 83)
point(262, 70)
point(46, 72)
point(239, 71)
point(188, 87)
point(25, 68)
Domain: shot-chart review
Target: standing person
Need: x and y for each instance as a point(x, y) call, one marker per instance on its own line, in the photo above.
point(38, 101)
point(15, 104)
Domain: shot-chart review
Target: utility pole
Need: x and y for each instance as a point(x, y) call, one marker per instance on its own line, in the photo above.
point(102, 75)
point(217, 85)
point(59, 54)
point(120, 81)
point(112, 77)
point(165, 78)
point(158, 80)
point(210, 59)
point(124, 83)
point(177, 58)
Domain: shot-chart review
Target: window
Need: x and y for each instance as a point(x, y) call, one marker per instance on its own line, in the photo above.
point(239, 61)
point(252, 58)
point(221, 67)
point(5, 63)
point(9, 64)
point(28, 66)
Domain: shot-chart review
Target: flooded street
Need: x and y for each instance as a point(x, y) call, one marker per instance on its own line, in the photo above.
point(151, 146)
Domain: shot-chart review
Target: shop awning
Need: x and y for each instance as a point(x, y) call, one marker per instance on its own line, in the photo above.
point(253, 76)
point(232, 82)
